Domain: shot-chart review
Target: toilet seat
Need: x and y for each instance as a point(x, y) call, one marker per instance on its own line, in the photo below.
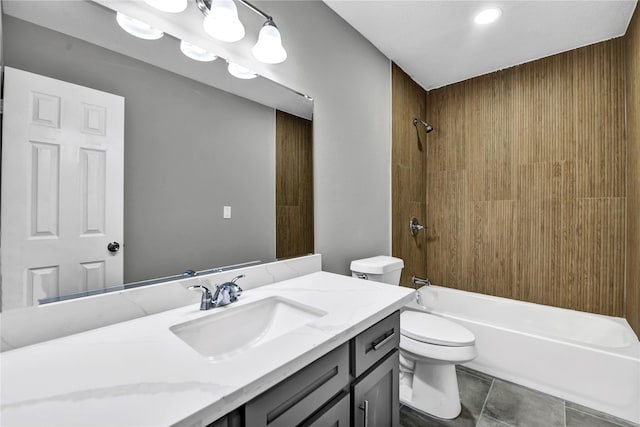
point(434, 353)
point(431, 329)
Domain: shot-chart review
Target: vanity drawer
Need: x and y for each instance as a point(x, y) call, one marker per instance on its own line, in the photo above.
point(291, 401)
point(374, 343)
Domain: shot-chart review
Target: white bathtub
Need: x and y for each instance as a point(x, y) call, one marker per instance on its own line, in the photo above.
point(585, 358)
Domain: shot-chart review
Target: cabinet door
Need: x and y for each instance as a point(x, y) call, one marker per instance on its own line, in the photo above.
point(375, 396)
point(338, 413)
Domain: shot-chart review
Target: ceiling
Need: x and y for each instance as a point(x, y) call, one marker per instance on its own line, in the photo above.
point(437, 42)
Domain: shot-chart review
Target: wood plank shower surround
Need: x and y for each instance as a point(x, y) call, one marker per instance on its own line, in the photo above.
point(408, 182)
point(632, 306)
point(294, 186)
point(525, 178)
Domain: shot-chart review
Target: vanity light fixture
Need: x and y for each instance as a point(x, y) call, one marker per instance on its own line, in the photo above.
point(221, 22)
point(269, 48)
point(196, 52)
point(138, 28)
point(171, 6)
point(488, 16)
point(241, 72)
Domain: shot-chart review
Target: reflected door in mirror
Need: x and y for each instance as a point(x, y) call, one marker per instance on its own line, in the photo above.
point(62, 186)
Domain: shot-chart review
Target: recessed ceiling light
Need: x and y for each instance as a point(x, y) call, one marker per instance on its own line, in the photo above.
point(487, 16)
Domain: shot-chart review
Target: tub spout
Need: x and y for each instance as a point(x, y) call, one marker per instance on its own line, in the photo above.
point(418, 281)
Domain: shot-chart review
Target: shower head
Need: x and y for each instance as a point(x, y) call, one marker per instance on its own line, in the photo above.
point(426, 125)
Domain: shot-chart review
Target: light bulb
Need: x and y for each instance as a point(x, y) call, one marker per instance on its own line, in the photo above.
point(240, 72)
point(222, 21)
point(171, 6)
point(487, 16)
point(138, 28)
point(269, 48)
point(196, 52)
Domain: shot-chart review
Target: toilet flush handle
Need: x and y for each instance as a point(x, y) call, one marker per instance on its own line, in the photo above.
point(362, 276)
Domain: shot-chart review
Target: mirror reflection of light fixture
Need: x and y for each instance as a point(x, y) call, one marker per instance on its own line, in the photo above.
point(269, 48)
point(171, 6)
point(221, 22)
point(196, 52)
point(240, 72)
point(138, 28)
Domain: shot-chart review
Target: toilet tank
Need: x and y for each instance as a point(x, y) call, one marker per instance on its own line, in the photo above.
point(383, 269)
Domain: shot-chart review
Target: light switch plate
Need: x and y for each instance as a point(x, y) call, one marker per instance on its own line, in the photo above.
point(226, 213)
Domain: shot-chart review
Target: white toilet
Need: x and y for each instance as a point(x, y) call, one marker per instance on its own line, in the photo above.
point(430, 346)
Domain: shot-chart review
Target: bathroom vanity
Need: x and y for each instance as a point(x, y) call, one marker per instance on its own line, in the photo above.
point(356, 381)
point(312, 350)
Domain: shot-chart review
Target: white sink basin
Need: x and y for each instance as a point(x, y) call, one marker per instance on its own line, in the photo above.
point(233, 329)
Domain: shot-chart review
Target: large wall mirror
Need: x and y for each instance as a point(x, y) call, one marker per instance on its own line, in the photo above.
point(200, 146)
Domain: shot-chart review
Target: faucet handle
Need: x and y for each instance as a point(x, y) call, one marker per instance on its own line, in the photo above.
point(199, 287)
point(234, 290)
point(205, 301)
point(236, 278)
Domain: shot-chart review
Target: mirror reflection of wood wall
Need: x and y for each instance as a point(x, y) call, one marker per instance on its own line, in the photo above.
point(294, 186)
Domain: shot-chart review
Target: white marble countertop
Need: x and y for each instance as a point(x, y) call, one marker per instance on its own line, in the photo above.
point(138, 373)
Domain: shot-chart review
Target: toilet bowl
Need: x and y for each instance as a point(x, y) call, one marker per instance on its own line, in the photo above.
point(430, 346)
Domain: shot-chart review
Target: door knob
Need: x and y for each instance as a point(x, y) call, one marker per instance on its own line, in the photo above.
point(113, 247)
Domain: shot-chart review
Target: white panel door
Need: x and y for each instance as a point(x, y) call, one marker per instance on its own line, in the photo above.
point(62, 189)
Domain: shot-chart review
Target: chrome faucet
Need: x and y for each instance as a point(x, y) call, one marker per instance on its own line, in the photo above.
point(419, 281)
point(226, 293)
point(205, 301)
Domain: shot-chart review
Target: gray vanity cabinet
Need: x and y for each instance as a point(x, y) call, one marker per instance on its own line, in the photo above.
point(306, 392)
point(355, 384)
point(336, 414)
point(232, 419)
point(375, 366)
point(371, 345)
point(375, 395)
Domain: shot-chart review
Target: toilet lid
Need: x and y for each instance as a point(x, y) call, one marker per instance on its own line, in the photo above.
point(432, 329)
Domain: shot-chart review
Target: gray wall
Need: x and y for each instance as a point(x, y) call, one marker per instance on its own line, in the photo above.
point(188, 152)
point(350, 81)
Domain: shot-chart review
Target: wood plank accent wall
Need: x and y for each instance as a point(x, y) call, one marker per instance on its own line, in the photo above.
point(408, 183)
point(526, 181)
point(294, 186)
point(632, 306)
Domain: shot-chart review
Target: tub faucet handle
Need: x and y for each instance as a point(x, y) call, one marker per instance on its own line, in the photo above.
point(414, 226)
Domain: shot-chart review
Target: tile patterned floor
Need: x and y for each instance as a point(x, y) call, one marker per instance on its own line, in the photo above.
point(491, 402)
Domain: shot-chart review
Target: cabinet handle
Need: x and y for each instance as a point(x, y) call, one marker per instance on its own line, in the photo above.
point(365, 407)
point(377, 345)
